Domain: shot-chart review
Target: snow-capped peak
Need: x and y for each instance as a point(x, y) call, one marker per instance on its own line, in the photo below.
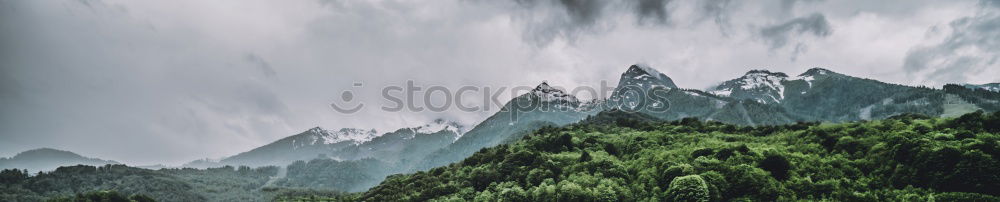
point(643, 77)
point(316, 130)
point(545, 87)
point(548, 94)
point(762, 85)
point(765, 73)
point(816, 71)
point(647, 71)
point(763, 78)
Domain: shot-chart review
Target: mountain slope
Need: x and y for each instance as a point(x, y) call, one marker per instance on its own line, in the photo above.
point(836, 97)
point(759, 85)
point(823, 95)
point(313, 143)
point(995, 87)
point(357, 168)
point(543, 106)
point(674, 103)
point(46, 159)
point(644, 76)
point(410, 144)
point(980, 98)
point(346, 144)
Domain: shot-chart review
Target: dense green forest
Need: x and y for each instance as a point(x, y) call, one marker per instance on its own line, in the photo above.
point(70, 182)
point(103, 196)
point(349, 176)
point(617, 156)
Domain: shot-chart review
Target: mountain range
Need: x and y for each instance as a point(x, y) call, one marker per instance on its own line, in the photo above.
point(759, 97)
point(404, 144)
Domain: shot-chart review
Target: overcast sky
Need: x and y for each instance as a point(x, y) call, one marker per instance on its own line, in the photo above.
point(146, 82)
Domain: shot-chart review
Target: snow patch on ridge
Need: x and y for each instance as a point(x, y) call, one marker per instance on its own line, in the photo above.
point(722, 92)
point(765, 79)
point(809, 80)
point(439, 125)
point(345, 134)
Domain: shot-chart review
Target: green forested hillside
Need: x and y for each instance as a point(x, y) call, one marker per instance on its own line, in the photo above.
point(214, 184)
point(619, 157)
point(347, 176)
point(103, 196)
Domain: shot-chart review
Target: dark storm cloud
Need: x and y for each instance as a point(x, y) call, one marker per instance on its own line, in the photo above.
point(653, 10)
point(549, 19)
point(779, 35)
point(973, 46)
point(583, 12)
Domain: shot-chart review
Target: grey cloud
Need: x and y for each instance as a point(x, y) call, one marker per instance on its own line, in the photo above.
point(654, 10)
point(262, 65)
point(255, 102)
point(988, 3)
point(973, 46)
point(788, 6)
point(85, 73)
point(588, 12)
point(779, 35)
point(955, 69)
point(549, 19)
point(718, 11)
point(583, 12)
point(799, 49)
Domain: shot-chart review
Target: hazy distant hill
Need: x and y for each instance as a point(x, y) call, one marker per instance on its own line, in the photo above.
point(45, 159)
point(405, 144)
